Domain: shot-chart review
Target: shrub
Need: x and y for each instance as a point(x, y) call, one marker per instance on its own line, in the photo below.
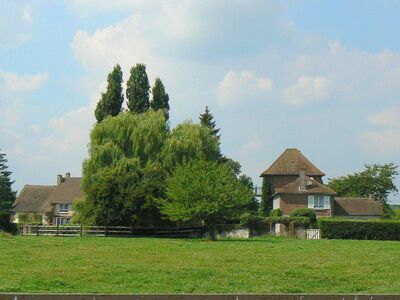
point(253, 222)
point(359, 230)
point(305, 212)
point(301, 221)
point(5, 224)
point(275, 213)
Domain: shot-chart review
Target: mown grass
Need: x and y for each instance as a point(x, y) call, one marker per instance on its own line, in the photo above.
point(264, 265)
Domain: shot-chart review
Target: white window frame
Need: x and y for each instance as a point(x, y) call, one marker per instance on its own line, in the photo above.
point(62, 221)
point(63, 208)
point(319, 202)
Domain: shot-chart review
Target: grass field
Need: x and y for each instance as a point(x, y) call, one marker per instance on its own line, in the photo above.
point(265, 265)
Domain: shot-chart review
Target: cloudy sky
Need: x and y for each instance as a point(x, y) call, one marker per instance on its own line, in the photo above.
point(321, 76)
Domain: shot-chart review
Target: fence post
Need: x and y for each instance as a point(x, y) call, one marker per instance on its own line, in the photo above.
point(57, 230)
point(105, 230)
point(22, 229)
point(37, 230)
point(81, 230)
point(131, 230)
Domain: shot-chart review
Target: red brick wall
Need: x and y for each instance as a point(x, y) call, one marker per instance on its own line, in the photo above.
point(290, 202)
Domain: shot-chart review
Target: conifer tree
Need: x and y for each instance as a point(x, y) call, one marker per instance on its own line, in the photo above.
point(207, 120)
point(138, 89)
point(111, 100)
point(7, 195)
point(160, 99)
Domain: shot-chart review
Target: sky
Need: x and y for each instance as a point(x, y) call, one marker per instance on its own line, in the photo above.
point(320, 76)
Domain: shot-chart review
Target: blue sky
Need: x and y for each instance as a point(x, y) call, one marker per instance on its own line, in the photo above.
point(321, 76)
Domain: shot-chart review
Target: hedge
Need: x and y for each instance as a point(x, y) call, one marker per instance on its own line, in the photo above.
point(359, 230)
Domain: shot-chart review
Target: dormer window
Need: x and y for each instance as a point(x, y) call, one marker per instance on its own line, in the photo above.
point(63, 208)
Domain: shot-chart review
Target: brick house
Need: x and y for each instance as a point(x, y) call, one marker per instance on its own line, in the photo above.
point(295, 182)
point(52, 204)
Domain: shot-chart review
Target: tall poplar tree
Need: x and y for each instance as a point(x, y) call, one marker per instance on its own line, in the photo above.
point(138, 89)
point(207, 120)
point(160, 99)
point(7, 195)
point(111, 100)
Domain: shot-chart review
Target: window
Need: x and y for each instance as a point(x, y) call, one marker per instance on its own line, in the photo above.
point(62, 221)
point(319, 202)
point(63, 208)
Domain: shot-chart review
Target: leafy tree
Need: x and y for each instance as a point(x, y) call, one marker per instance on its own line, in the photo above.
point(266, 197)
point(160, 98)
point(189, 142)
point(207, 120)
point(123, 175)
point(138, 89)
point(376, 180)
point(7, 195)
point(205, 190)
point(110, 103)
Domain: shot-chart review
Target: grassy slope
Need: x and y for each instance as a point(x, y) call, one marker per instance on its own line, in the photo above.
point(112, 265)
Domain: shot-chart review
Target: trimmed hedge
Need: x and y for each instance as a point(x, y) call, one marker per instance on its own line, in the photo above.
point(359, 230)
point(297, 221)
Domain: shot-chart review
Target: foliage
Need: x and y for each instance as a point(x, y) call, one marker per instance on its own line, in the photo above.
point(253, 205)
point(29, 218)
point(189, 142)
point(138, 89)
point(376, 179)
point(305, 212)
point(277, 212)
point(207, 120)
point(266, 196)
point(7, 195)
point(110, 103)
point(206, 191)
point(160, 99)
point(5, 224)
point(253, 222)
point(123, 175)
point(359, 230)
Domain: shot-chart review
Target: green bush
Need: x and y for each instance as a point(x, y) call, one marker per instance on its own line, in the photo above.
point(359, 230)
point(253, 222)
point(297, 221)
point(275, 213)
point(5, 224)
point(305, 212)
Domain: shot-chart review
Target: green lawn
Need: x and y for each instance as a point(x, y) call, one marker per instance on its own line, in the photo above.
point(264, 265)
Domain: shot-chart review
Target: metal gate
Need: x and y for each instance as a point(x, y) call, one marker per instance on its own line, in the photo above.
point(313, 234)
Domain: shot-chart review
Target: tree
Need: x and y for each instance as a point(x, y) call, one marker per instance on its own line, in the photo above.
point(189, 142)
point(160, 100)
point(7, 195)
point(110, 103)
point(266, 197)
point(207, 120)
point(123, 176)
point(205, 190)
point(138, 89)
point(376, 180)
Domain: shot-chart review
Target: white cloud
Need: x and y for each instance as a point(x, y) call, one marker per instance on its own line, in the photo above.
point(242, 86)
point(307, 90)
point(387, 138)
point(15, 83)
point(27, 14)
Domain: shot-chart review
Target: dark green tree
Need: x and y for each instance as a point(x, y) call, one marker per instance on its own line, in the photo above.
point(160, 99)
point(111, 100)
point(376, 180)
point(138, 89)
point(7, 195)
point(266, 197)
point(207, 120)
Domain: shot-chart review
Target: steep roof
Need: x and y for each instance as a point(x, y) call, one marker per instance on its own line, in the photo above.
point(290, 162)
point(312, 187)
point(357, 207)
point(33, 198)
point(67, 190)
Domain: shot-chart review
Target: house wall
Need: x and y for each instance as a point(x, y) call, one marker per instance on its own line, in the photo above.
point(290, 202)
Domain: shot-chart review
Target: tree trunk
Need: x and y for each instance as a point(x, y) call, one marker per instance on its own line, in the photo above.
point(212, 232)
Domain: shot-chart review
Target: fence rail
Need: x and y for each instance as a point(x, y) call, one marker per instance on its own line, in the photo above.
point(116, 231)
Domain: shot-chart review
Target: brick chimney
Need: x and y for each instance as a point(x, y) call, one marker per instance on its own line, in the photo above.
point(59, 179)
point(302, 175)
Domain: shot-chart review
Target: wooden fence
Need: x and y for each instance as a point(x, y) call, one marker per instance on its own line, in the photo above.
point(112, 231)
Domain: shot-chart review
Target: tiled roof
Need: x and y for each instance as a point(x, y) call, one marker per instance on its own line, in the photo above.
point(291, 162)
point(312, 187)
point(67, 191)
point(33, 198)
point(357, 207)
